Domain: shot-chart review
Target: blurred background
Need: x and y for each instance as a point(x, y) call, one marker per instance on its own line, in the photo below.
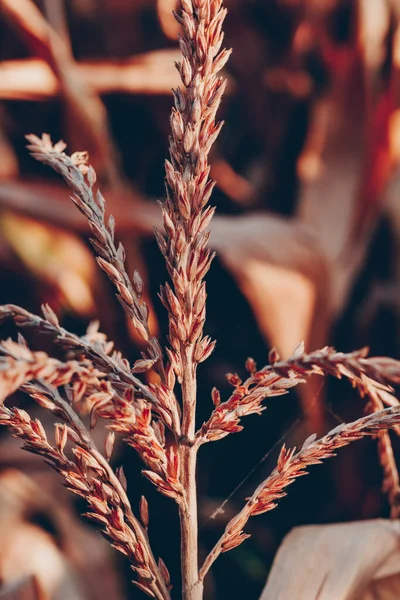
point(307, 233)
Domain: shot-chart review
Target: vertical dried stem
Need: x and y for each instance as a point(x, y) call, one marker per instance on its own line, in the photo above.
point(192, 588)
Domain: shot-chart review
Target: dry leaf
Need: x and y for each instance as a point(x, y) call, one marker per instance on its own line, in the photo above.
point(76, 566)
point(345, 561)
point(281, 271)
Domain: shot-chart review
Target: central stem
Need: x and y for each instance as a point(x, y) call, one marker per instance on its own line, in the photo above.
point(192, 589)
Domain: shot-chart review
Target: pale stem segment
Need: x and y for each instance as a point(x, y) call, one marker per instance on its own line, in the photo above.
point(192, 589)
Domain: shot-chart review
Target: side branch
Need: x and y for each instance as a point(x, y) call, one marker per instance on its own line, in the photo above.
point(95, 346)
point(127, 415)
point(21, 366)
point(371, 376)
point(292, 465)
point(111, 258)
point(89, 474)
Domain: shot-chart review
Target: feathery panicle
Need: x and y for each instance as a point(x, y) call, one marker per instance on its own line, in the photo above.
point(87, 473)
point(111, 258)
point(186, 217)
point(292, 464)
point(371, 376)
point(95, 346)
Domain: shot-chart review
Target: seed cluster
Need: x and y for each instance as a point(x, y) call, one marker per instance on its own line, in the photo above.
point(186, 215)
point(290, 466)
point(86, 473)
point(371, 376)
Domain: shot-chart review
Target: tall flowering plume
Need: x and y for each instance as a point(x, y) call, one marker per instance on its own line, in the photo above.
point(186, 215)
point(149, 416)
point(139, 411)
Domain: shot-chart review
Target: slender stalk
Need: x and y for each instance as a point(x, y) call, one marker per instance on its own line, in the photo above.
point(191, 589)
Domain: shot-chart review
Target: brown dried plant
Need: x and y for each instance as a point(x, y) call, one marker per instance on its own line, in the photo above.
point(150, 417)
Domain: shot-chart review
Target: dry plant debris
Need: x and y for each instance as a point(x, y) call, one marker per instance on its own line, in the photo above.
point(356, 561)
point(151, 417)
